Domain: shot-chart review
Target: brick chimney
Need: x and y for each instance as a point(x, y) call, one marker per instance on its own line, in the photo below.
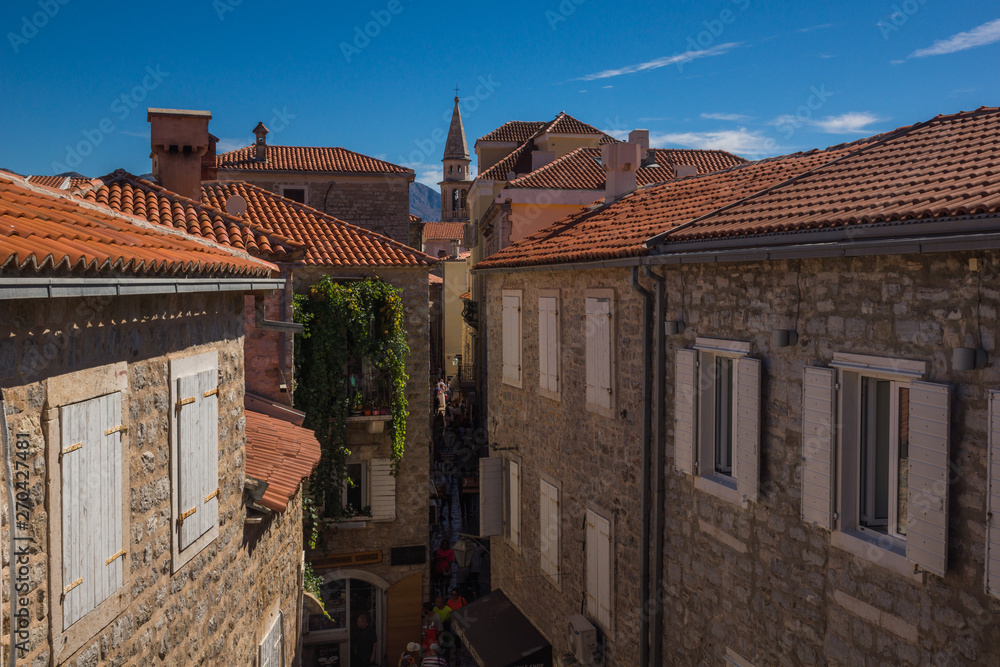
point(261, 144)
point(209, 167)
point(179, 140)
point(640, 137)
point(620, 162)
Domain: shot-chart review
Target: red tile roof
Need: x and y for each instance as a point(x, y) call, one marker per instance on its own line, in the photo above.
point(444, 230)
point(514, 131)
point(518, 161)
point(58, 182)
point(581, 169)
point(566, 124)
point(327, 240)
point(132, 195)
point(415, 218)
point(620, 230)
point(332, 160)
point(946, 167)
point(281, 454)
point(41, 229)
point(434, 280)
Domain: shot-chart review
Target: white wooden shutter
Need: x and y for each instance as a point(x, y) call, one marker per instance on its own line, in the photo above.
point(490, 496)
point(198, 452)
point(598, 548)
point(548, 532)
point(747, 439)
point(511, 335)
point(818, 445)
point(548, 343)
point(993, 499)
point(590, 547)
point(271, 653)
point(927, 486)
point(515, 502)
point(685, 406)
point(599, 352)
point(383, 490)
point(91, 494)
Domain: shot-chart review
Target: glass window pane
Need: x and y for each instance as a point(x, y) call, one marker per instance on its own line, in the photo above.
point(724, 416)
point(903, 470)
point(355, 491)
point(875, 453)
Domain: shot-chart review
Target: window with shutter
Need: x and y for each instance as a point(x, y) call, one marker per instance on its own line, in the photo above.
point(514, 503)
point(599, 569)
point(511, 337)
point(271, 650)
point(598, 354)
point(922, 487)
point(549, 527)
point(195, 454)
point(490, 496)
point(548, 344)
point(685, 397)
point(818, 445)
point(993, 499)
point(383, 490)
point(91, 496)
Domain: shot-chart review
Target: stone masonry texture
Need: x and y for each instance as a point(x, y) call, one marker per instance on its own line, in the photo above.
point(211, 611)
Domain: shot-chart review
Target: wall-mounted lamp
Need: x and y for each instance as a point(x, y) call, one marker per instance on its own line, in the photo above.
point(673, 327)
point(967, 358)
point(783, 337)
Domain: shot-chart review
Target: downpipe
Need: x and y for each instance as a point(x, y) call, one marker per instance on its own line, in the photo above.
point(659, 456)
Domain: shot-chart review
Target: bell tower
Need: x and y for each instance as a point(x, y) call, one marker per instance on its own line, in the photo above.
point(455, 167)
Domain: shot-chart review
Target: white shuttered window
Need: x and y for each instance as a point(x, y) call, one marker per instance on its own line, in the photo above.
point(548, 343)
point(198, 455)
point(271, 650)
point(490, 496)
point(549, 527)
point(818, 445)
point(511, 338)
point(599, 569)
point(383, 490)
point(512, 485)
point(91, 480)
point(598, 351)
point(993, 499)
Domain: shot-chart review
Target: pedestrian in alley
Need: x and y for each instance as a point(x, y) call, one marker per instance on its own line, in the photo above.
point(444, 556)
point(433, 659)
point(364, 643)
point(411, 656)
point(430, 627)
point(456, 601)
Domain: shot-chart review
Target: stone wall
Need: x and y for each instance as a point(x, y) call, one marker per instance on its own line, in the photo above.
point(594, 460)
point(214, 609)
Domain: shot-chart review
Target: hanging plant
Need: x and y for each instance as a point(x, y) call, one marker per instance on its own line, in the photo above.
point(348, 326)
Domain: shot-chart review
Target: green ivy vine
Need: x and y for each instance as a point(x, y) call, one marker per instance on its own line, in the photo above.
point(346, 324)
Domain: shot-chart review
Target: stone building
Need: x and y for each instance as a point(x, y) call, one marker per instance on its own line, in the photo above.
point(352, 187)
point(784, 373)
point(123, 394)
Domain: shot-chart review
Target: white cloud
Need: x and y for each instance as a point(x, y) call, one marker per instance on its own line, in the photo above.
point(621, 135)
point(724, 116)
point(852, 122)
point(677, 59)
point(740, 141)
point(427, 173)
point(987, 33)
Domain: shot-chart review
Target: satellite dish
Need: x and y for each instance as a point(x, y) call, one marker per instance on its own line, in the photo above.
point(236, 205)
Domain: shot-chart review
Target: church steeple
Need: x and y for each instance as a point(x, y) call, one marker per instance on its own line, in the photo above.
point(455, 171)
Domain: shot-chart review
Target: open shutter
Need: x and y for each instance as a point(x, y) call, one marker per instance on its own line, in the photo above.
point(548, 533)
point(383, 490)
point(490, 496)
point(592, 324)
point(747, 427)
point(604, 571)
point(927, 483)
point(993, 499)
point(511, 335)
point(685, 400)
point(548, 346)
point(198, 451)
point(208, 382)
point(553, 345)
point(109, 557)
point(604, 388)
point(818, 445)
point(590, 545)
point(515, 502)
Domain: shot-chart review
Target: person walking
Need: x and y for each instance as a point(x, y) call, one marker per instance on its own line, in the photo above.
point(411, 656)
point(456, 601)
point(444, 556)
point(364, 643)
point(434, 659)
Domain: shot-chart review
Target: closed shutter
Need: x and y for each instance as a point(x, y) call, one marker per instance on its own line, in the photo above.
point(91, 493)
point(747, 427)
point(515, 502)
point(511, 336)
point(993, 499)
point(548, 533)
point(927, 484)
point(490, 496)
point(548, 343)
point(271, 649)
point(598, 345)
point(383, 490)
point(685, 405)
point(818, 445)
point(598, 549)
point(198, 452)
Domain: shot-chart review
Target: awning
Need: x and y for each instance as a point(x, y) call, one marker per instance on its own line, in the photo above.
point(498, 635)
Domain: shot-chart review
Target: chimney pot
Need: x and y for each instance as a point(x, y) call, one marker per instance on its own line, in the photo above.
point(620, 162)
point(260, 153)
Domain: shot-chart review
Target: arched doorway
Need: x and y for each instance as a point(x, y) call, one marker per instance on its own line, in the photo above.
point(346, 595)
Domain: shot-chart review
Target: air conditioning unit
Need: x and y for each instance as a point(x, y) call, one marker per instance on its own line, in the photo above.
point(582, 639)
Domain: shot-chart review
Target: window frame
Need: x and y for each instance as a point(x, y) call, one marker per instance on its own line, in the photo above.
point(282, 189)
point(504, 362)
point(365, 490)
point(554, 337)
point(605, 516)
point(600, 294)
point(183, 367)
point(512, 500)
point(554, 578)
point(60, 391)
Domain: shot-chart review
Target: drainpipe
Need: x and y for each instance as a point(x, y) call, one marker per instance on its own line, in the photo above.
point(659, 456)
point(647, 309)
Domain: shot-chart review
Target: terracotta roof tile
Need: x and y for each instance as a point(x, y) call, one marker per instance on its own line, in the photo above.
point(566, 124)
point(42, 229)
point(281, 454)
point(581, 169)
point(134, 196)
point(434, 280)
point(621, 229)
point(948, 166)
point(514, 131)
point(305, 158)
point(415, 218)
point(517, 162)
point(327, 240)
point(444, 230)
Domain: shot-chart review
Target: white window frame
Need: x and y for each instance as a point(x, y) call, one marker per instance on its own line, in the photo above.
point(305, 192)
point(511, 342)
point(549, 345)
point(179, 368)
point(595, 517)
point(550, 529)
point(591, 295)
point(513, 478)
point(61, 391)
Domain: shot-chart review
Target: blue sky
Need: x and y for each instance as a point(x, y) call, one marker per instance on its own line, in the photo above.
point(752, 77)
